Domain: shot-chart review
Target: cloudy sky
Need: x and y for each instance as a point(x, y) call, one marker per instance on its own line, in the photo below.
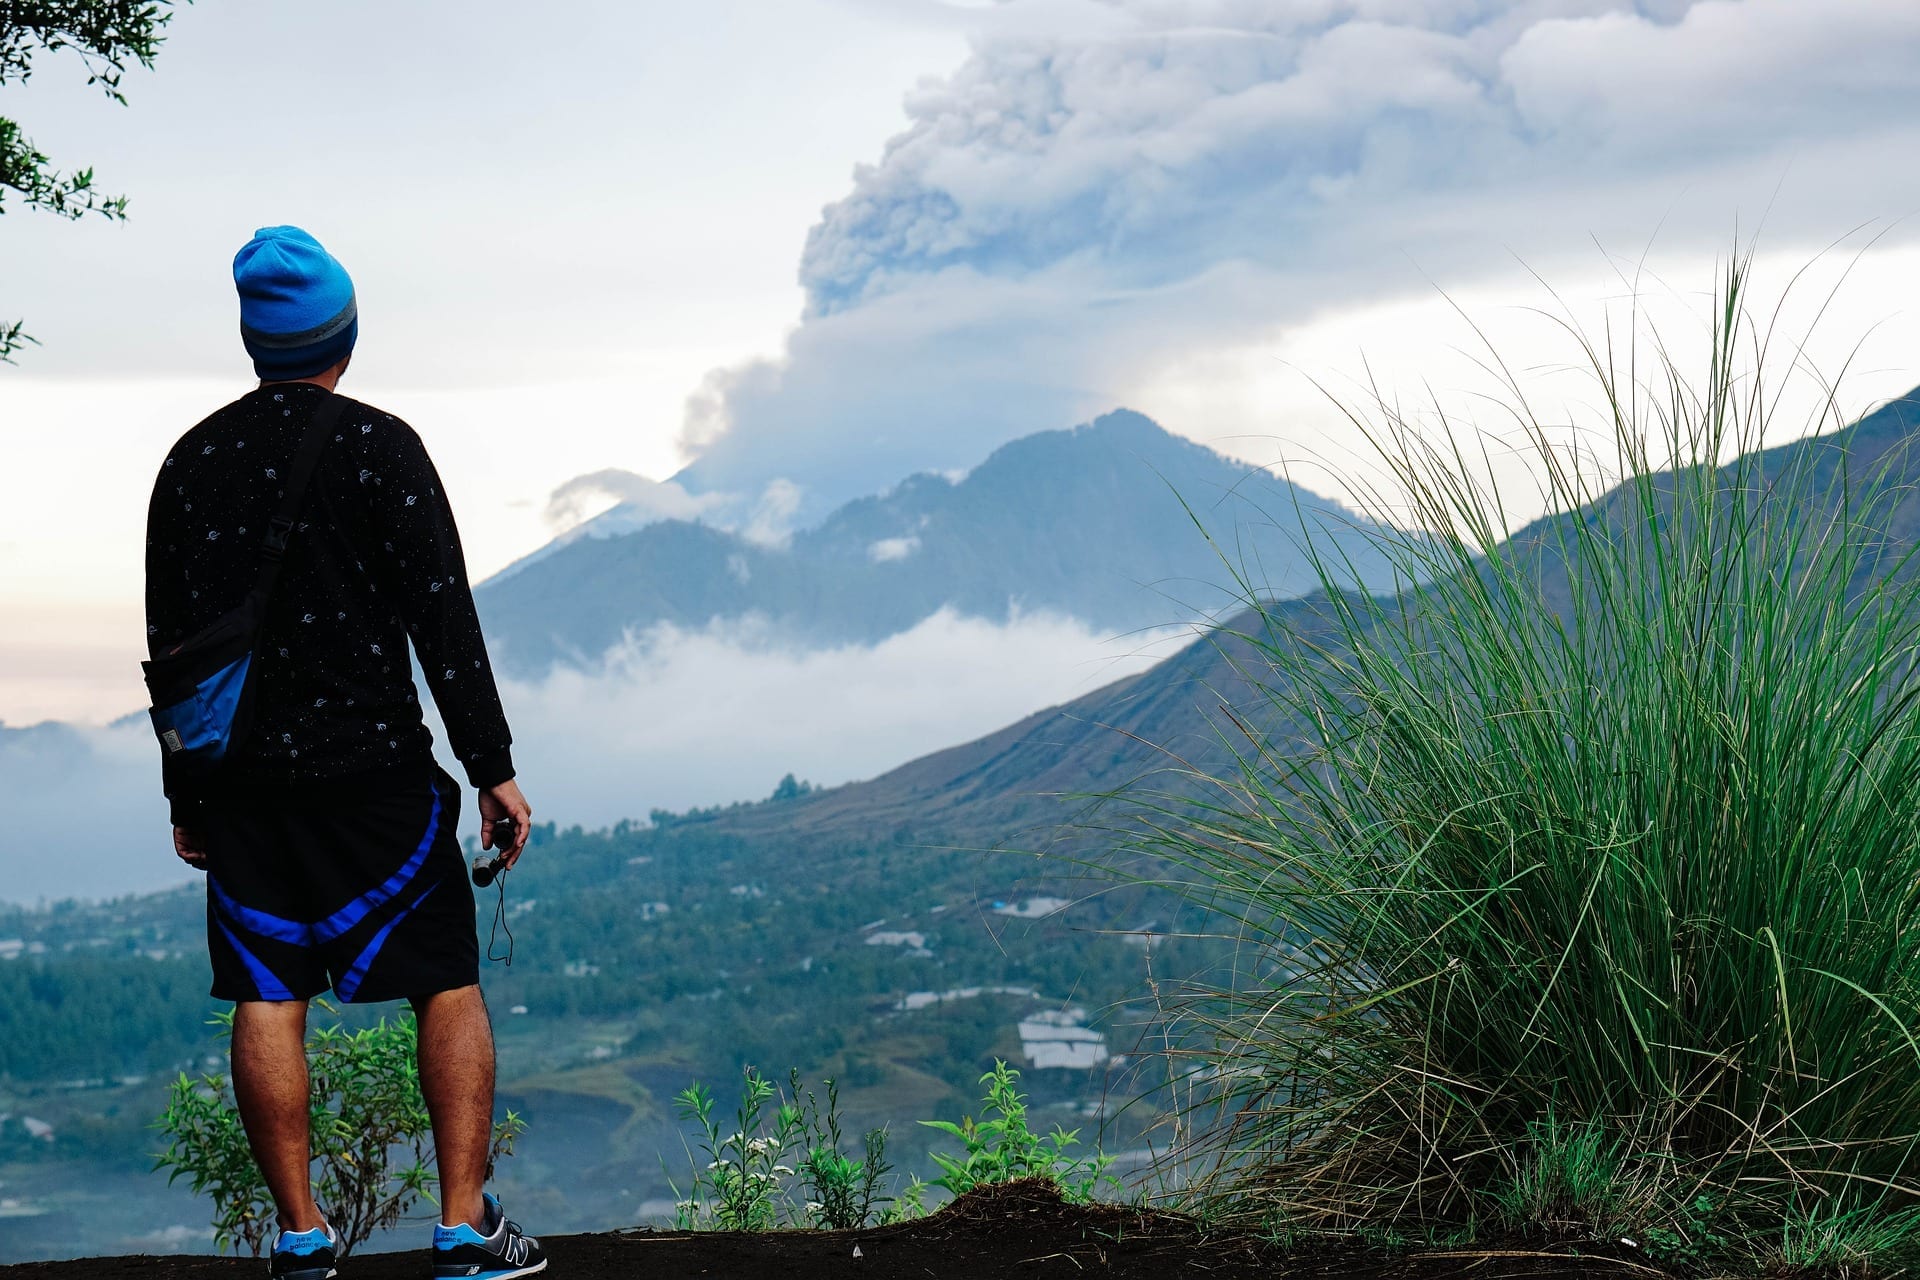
point(750, 258)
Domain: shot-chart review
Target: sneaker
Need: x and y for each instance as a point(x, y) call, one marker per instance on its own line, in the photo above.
point(304, 1255)
point(461, 1253)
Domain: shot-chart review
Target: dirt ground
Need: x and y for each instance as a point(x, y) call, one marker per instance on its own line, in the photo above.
point(1019, 1229)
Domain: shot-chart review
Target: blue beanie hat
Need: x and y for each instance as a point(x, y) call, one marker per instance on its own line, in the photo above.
point(297, 312)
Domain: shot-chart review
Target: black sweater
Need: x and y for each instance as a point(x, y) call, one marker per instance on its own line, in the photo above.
point(374, 561)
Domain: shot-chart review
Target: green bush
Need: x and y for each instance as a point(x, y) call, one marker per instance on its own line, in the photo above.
point(1003, 1148)
point(745, 1184)
point(371, 1137)
point(741, 1180)
point(1579, 884)
point(740, 1187)
point(843, 1192)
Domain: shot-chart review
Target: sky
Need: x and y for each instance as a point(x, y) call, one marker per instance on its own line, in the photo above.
point(554, 235)
point(748, 259)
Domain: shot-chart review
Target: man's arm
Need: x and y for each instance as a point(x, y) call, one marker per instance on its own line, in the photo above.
point(426, 565)
point(424, 562)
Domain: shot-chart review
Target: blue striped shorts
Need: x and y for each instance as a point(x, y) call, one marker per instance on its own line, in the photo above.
point(369, 897)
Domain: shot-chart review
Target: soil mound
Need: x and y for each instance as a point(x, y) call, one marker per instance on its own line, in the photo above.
point(1015, 1229)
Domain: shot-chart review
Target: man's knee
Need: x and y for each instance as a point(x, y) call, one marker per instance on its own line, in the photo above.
point(269, 1016)
point(269, 1046)
point(457, 999)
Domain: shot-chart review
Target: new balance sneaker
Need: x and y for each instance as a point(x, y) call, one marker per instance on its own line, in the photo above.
point(461, 1253)
point(304, 1255)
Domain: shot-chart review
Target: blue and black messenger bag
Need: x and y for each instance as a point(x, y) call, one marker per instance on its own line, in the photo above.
point(202, 689)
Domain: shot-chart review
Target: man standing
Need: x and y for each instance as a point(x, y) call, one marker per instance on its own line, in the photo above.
point(327, 835)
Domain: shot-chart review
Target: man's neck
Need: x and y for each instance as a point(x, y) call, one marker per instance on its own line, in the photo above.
point(328, 380)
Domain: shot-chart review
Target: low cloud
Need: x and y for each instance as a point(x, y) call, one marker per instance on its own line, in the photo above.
point(680, 718)
point(605, 504)
point(882, 550)
point(1105, 189)
point(84, 813)
point(684, 718)
point(770, 522)
point(639, 500)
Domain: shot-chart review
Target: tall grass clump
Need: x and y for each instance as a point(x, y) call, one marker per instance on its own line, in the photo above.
point(1578, 885)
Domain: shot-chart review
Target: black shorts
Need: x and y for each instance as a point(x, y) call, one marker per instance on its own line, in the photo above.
point(370, 897)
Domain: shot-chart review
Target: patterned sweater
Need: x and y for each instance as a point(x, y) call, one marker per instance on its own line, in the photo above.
point(374, 562)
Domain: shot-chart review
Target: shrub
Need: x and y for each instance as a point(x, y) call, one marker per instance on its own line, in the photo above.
point(1003, 1148)
point(1579, 883)
point(741, 1182)
point(371, 1137)
point(740, 1187)
point(744, 1184)
point(842, 1192)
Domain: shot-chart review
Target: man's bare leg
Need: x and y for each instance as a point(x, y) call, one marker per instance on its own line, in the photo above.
point(456, 1076)
point(270, 1087)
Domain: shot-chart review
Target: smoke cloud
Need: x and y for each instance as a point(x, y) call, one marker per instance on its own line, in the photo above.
point(1105, 189)
point(641, 500)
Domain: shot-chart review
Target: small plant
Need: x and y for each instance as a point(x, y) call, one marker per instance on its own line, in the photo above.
point(740, 1188)
point(910, 1203)
point(372, 1140)
point(745, 1186)
point(1692, 1239)
point(842, 1191)
point(1843, 1242)
point(1004, 1148)
point(1570, 1183)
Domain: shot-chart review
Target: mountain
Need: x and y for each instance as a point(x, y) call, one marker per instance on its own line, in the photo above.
point(1166, 726)
point(1087, 522)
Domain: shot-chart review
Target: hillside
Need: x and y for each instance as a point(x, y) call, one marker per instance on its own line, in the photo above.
point(1147, 729)
point(1091, 522)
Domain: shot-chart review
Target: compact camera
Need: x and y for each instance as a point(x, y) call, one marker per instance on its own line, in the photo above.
point(487, 865)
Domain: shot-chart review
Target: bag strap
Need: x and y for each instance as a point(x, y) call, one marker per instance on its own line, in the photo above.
point(306, 461)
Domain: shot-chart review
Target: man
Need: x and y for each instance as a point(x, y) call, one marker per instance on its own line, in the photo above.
point(327, 835)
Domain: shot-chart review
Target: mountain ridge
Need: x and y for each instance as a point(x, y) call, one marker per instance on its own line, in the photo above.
point(1107, 522)
point(1171, 720)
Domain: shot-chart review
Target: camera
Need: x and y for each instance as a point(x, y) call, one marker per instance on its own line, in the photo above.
point(487, 865)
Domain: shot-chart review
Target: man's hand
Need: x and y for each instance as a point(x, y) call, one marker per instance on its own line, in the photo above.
point(505, 801)
point(187, 845)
